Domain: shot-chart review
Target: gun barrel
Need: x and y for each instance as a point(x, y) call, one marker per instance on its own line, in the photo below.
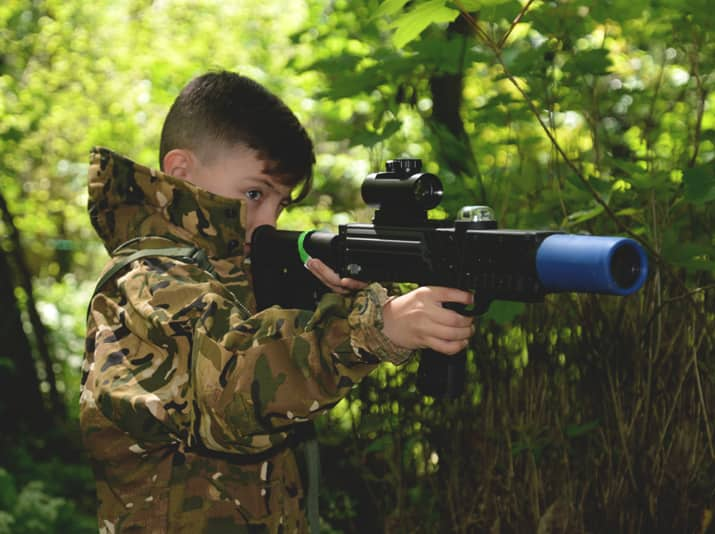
point(593, 264)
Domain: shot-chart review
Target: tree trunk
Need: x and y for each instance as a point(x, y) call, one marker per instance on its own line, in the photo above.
point(453, 145)
point(57, 407)
point(21, 402)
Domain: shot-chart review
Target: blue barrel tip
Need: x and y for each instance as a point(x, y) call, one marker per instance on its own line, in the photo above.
point(591, 264)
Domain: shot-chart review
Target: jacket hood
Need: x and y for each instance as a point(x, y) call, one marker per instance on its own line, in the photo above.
point(128, 200)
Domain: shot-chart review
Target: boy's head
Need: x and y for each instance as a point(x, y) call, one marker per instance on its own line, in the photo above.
point(226, 133)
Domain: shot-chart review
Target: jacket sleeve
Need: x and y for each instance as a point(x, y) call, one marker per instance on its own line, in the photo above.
point(251, 378)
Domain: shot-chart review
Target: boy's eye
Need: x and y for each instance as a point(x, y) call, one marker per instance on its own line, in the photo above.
point(253, 194)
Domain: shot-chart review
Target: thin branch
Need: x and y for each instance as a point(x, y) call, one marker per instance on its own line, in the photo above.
point(516, 21)
point(703, 404)
point(663, 304)
point(481, 33)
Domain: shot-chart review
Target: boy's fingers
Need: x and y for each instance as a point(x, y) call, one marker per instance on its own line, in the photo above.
point(331, 279)
point(446, 317)
point(323, 272)
point(450, 294)
point(351, 283)
point(448, 333)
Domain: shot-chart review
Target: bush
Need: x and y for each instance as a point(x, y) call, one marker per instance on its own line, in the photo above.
point(36, 510)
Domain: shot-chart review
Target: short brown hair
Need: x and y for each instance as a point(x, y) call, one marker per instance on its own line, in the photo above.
point(226, 108)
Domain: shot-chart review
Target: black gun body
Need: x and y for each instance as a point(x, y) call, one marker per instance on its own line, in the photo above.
point(496, 264)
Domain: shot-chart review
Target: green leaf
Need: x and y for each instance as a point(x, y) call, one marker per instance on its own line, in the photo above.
point(411, 24)
point(335, 65)
point(575, 431)
point(504, 312)
point(500, 99)
point(369, 139)
point(471, 5)
point(447, 55)
point(582, 216)
point(699, 184)
point(492, 10)
point(365, 138)
point(391, 128)
point(389, 7)
point(626, 9)
point(594, 62)
point(691, 256)
point(351, 84)
point(527, 61)
point(481, 5)
point(636, 213)
point(628, 167)
point(382, 443)
point(655, 180)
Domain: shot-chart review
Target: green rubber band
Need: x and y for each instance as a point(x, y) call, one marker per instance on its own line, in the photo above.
point(304, 256)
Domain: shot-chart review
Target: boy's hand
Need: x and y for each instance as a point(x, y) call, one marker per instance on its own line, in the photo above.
point(331, 279)
point(417, 320)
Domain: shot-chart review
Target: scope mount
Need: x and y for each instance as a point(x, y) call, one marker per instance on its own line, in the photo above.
point(404, 166)
point(402, 194)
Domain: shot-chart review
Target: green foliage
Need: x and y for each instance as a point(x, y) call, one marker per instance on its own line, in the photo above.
point(699, 184)
point(411, 24)
point(33, 510)
point(8, 493)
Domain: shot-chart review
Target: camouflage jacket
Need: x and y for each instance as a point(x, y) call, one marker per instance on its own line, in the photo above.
point(189, 397)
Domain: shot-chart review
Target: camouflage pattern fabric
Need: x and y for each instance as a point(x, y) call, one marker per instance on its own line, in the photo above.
point(190, 399)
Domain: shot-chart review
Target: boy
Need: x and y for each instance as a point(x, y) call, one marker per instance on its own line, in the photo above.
point(190, 399)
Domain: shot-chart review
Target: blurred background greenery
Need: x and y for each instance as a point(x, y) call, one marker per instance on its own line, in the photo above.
point(582, 414)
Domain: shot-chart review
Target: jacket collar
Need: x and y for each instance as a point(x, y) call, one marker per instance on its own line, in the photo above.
point(128, 200)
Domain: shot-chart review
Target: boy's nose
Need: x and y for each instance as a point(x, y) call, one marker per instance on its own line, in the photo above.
point(264, 219)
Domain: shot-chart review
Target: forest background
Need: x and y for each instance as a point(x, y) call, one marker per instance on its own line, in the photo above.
point(583, 414)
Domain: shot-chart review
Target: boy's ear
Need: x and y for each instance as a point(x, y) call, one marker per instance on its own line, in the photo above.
point(179, 163)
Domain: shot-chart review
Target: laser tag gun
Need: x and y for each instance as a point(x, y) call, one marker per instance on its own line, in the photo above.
point(470, 253)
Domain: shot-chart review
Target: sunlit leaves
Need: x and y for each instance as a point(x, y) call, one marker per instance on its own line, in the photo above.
point(369, 139)
point(390, 7)
point(410, 24)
